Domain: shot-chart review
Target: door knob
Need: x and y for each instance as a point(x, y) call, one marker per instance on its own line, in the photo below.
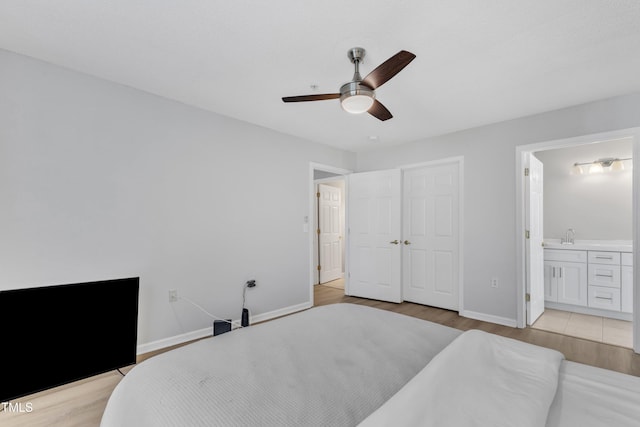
point(406, 242)
point(395, 242)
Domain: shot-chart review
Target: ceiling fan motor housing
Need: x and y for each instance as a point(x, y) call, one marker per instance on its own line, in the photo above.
point(356, 98)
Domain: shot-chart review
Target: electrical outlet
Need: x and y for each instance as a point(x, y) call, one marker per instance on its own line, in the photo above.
point(173, 295)
point(494, 282)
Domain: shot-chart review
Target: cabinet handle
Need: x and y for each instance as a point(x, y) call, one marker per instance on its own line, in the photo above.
point(609, 299)
point(604, 275)
point(560, 269)
point(394, 242)
point(603, 257)
point(553, 272)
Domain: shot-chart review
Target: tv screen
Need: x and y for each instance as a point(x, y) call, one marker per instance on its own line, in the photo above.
point(54, 335)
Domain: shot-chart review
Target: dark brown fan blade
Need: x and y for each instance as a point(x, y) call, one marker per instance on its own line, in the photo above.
point(319, 97)
point(388, 69)
point(379, 111)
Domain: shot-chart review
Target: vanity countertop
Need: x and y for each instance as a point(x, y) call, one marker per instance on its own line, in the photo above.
point(591, 245)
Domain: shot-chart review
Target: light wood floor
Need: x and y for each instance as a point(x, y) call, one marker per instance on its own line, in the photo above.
point(575, 349)
point(82, 403)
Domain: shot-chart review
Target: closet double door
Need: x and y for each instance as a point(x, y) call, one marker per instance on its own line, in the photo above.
point(404, 234)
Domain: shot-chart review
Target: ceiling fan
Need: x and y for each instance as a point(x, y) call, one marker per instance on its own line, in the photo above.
point(358, 95)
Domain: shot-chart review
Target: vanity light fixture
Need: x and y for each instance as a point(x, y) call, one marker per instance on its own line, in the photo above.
point(596, 167)
point(600, 165)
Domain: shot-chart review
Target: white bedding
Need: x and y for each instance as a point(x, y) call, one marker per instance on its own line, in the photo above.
point(345, 364)
point(593, 397)
point(480, 379)
point(327, 366)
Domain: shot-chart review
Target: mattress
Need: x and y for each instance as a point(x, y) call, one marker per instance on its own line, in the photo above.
point(329, 365)
point(345, 364)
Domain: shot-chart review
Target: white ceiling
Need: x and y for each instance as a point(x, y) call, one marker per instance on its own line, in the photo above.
point(478, 61)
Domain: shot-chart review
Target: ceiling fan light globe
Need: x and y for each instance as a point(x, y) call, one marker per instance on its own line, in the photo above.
point(356, 104)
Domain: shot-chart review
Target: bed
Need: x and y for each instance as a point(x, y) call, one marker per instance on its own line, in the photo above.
point(352, 365)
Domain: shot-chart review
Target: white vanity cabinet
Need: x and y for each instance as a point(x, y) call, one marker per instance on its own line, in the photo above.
point(589, 280)
point(565, 276)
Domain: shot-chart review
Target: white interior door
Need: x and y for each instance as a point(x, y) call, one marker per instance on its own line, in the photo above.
point(430, 272)
point(329, 235)
point(534, 251)
point(374, 235)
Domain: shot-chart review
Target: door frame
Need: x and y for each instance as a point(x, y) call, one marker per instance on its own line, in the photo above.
point(521, 151)
point(309, 218)
point(460, 161)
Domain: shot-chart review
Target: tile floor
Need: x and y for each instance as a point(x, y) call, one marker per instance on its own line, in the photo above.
point(595, 328)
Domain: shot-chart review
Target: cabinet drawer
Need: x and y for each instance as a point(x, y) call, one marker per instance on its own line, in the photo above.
point(607, 298)
point(626, 258)
point(604, 275)
point(597, 257)
point(565, 255)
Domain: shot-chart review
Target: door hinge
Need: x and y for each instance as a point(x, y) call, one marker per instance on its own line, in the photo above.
point(526, 234)
point(319, 268)
point(526, 171)
point(318, 231)
point(318, 194)
point(527, 297)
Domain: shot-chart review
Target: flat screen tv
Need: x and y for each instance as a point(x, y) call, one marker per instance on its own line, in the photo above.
point(54, 335)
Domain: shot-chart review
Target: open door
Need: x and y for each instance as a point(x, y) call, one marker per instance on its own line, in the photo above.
point(329, 233)
point(534, 250)
point(374, 235)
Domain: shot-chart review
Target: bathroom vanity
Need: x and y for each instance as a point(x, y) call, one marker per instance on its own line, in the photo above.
point(590, 277)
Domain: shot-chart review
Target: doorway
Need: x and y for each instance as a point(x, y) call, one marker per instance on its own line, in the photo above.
point(330, 176)
point(586, 202)
point(330, 231)
point(523, 268)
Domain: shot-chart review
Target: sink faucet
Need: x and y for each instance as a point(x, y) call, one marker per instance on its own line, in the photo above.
point(569, 236)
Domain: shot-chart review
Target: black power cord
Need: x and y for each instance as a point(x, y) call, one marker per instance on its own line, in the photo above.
point(245, 313)
point(249, 284)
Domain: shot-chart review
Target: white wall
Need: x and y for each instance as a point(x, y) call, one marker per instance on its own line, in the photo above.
point(596, 206)
point(489, 241)
point(100, 181)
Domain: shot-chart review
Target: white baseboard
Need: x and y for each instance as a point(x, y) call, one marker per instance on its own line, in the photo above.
point(505, 321)
point(207, 332)
point(280, 312)
point(175, 340)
